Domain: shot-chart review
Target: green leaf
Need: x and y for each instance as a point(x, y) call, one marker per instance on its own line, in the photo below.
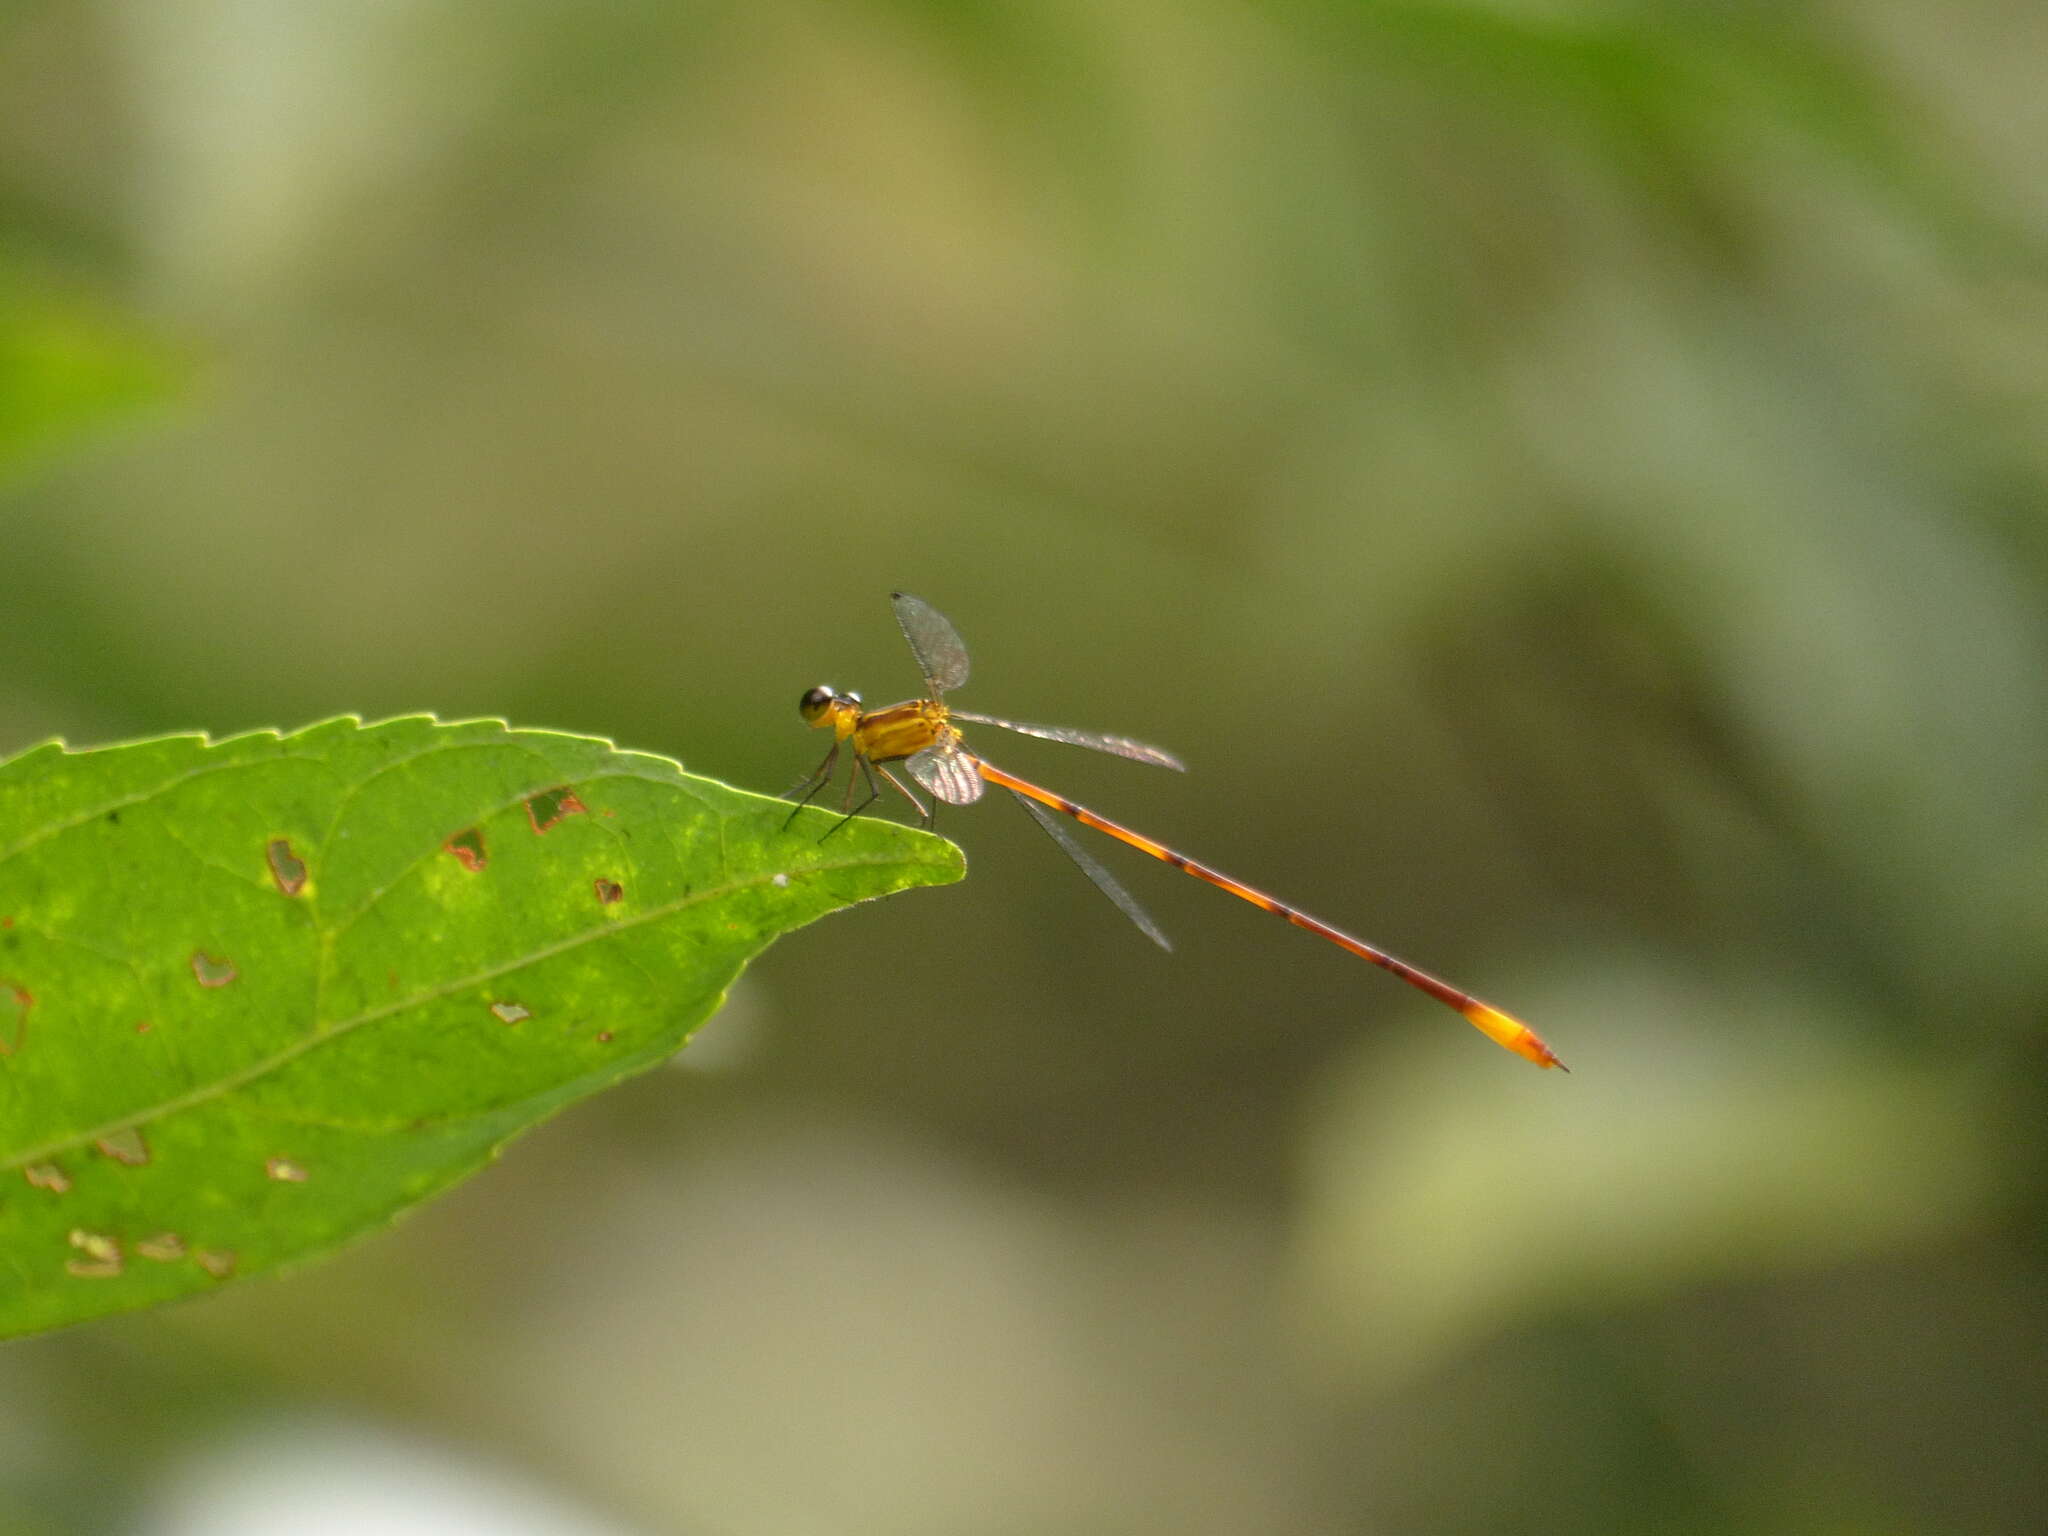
point(257, 996)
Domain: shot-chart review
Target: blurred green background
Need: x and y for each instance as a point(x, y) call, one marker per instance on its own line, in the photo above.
point(1569, 477)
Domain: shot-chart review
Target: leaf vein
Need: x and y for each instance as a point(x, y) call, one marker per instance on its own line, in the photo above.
point(222, 1087)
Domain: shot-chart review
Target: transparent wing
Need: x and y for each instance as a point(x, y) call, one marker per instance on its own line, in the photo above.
point(948, 773)
point(1105, 882)
point(941, 653)
point(1122, 746)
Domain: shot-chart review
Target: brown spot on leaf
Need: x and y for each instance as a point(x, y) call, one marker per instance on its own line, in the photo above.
point(217, 1262)
point(604, 1037)
point(211, 972)
point(287, 871)
point(509, 1013)
point(15, 1003)
point(551, 805)
point(125, 1147)
point(285, 1171)
point(165, 1247)
point(468, 848)
point(47, 1176)
point(608, 891)
point(143, 1026)
point(93, 1269)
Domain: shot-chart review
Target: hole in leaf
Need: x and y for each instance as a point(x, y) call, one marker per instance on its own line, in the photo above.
point(212, 972)
point(285, 1171)
point(287, 871)
point(609, 891)
point(165, 1247)
point(217, 1262)
point(509, 1013)
point(551, 805)
point(15, 1002)
point(47, 1176)
point(468, 848)
point(125, 1147)
point(95, 1245)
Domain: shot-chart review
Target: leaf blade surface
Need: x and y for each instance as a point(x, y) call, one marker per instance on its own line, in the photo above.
point(257, 996)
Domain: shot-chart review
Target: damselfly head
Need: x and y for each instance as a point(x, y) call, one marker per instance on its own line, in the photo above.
point(821, 703)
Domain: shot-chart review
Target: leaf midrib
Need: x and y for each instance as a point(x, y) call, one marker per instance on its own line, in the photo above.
point(221, 1087)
